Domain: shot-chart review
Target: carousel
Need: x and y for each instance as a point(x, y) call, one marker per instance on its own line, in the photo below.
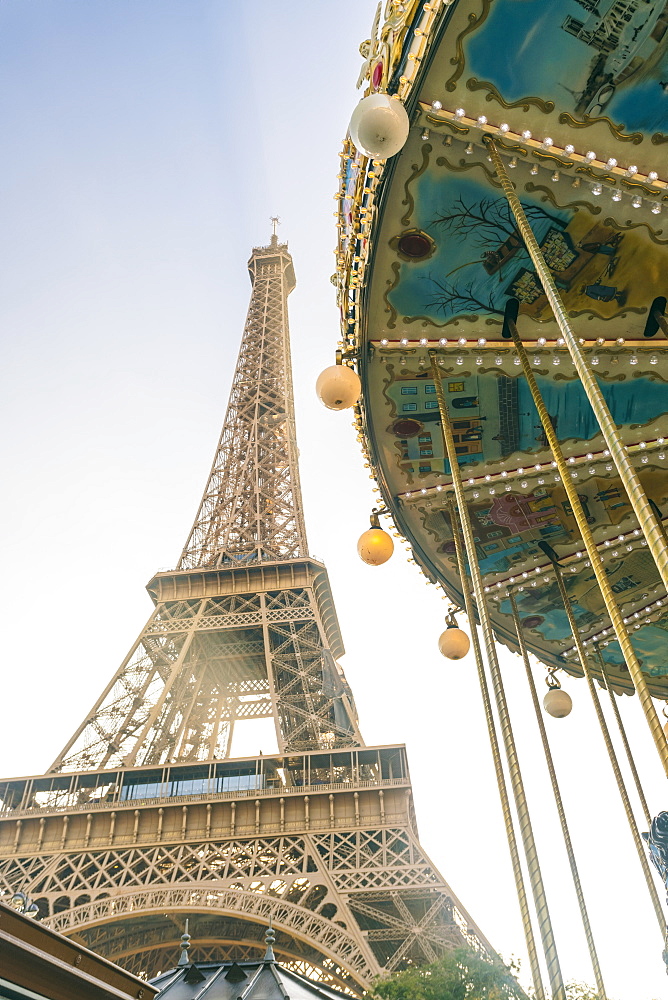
point(502, 277)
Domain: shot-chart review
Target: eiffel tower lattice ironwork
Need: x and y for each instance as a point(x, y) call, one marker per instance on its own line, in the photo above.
point(145, 818)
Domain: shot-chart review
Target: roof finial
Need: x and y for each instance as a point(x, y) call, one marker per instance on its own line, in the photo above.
point(275, 222)
point(269, 938)
point(185, 944)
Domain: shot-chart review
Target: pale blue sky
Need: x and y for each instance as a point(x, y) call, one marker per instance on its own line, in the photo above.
point(145, 145)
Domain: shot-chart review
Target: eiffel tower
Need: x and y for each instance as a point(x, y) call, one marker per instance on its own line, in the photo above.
point(145, 818)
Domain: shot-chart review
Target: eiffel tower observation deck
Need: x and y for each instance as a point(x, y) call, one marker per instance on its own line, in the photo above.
point(145, 818)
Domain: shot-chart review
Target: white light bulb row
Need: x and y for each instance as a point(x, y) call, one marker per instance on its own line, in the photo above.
point(616, 195)
point(574, 564)
point(547, 143)
point(495, 343)
point(573, 560)
point(606, 548)
point(545, 468)
point(607, 635)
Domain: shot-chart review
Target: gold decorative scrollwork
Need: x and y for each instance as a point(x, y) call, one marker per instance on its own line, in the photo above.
point(652, 233)
point(607, 178)
point(643, 187)
point(387, 382)
point(458, 61)
point(617, 130)
point(438, 122)
point(418, 169)
point(392, 283)
point(659, 138)
point(442, 161)
point(592, 314)
point(524, 102)
point(453, 321)
point(564, 164)
point(512, 146)
point(548, 195)
point(425, 320)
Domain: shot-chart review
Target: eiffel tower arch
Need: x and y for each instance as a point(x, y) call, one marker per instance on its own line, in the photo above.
point(145, 817)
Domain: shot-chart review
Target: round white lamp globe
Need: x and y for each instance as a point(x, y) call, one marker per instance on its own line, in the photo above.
point(338, 387)
point(557, 703)
point(379, 126)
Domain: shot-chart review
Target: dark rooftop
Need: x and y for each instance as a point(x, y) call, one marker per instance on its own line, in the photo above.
point(260, 980)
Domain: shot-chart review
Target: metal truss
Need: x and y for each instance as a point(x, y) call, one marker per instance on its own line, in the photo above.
point(252, 506)
point(139, 823)
point(349, 903)
point(201, 665)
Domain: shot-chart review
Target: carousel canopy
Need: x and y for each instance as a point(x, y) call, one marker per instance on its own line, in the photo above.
point(430, 258)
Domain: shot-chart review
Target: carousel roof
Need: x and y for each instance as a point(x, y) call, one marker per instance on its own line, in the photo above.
point(429, 256)
point(259, 980)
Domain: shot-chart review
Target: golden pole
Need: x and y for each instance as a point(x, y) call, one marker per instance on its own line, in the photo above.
point(598, 976)
point(611, 605)
point(498, 767)
point(643, 511)
point(535, 877)
point(622, 733)
point(584, 662)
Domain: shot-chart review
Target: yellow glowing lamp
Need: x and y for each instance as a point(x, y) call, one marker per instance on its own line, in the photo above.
point(375, 546)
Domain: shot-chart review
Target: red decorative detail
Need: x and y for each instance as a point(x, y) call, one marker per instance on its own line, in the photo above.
point(377, 75)
point(414, 245)
point(533, 621)
point(405, 427)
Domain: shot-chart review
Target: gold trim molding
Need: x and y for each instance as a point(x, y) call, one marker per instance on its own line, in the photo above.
point(418, 168)
point(474, 22)
point(524, 102)
point(550, 196)
point(587, 121)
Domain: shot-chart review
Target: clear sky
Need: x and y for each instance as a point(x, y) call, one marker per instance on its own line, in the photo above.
point(146, 143)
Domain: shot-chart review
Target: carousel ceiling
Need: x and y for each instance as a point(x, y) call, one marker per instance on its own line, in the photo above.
point(574, 93)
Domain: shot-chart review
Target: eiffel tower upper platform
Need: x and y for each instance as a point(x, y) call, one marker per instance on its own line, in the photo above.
point(145, 817)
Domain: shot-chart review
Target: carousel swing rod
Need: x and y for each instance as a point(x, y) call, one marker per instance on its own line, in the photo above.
point(602, 580)
point(535, 876)
point(520, 887)
point(646, 517)
point(622, 733)
point(613, 611)
point(589, 935)
point(584, 663)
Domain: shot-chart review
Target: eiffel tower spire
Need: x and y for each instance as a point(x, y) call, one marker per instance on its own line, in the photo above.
point(252, 504)
point(144, 819)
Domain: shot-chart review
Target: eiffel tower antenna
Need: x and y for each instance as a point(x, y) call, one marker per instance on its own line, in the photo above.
point(144, 819)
